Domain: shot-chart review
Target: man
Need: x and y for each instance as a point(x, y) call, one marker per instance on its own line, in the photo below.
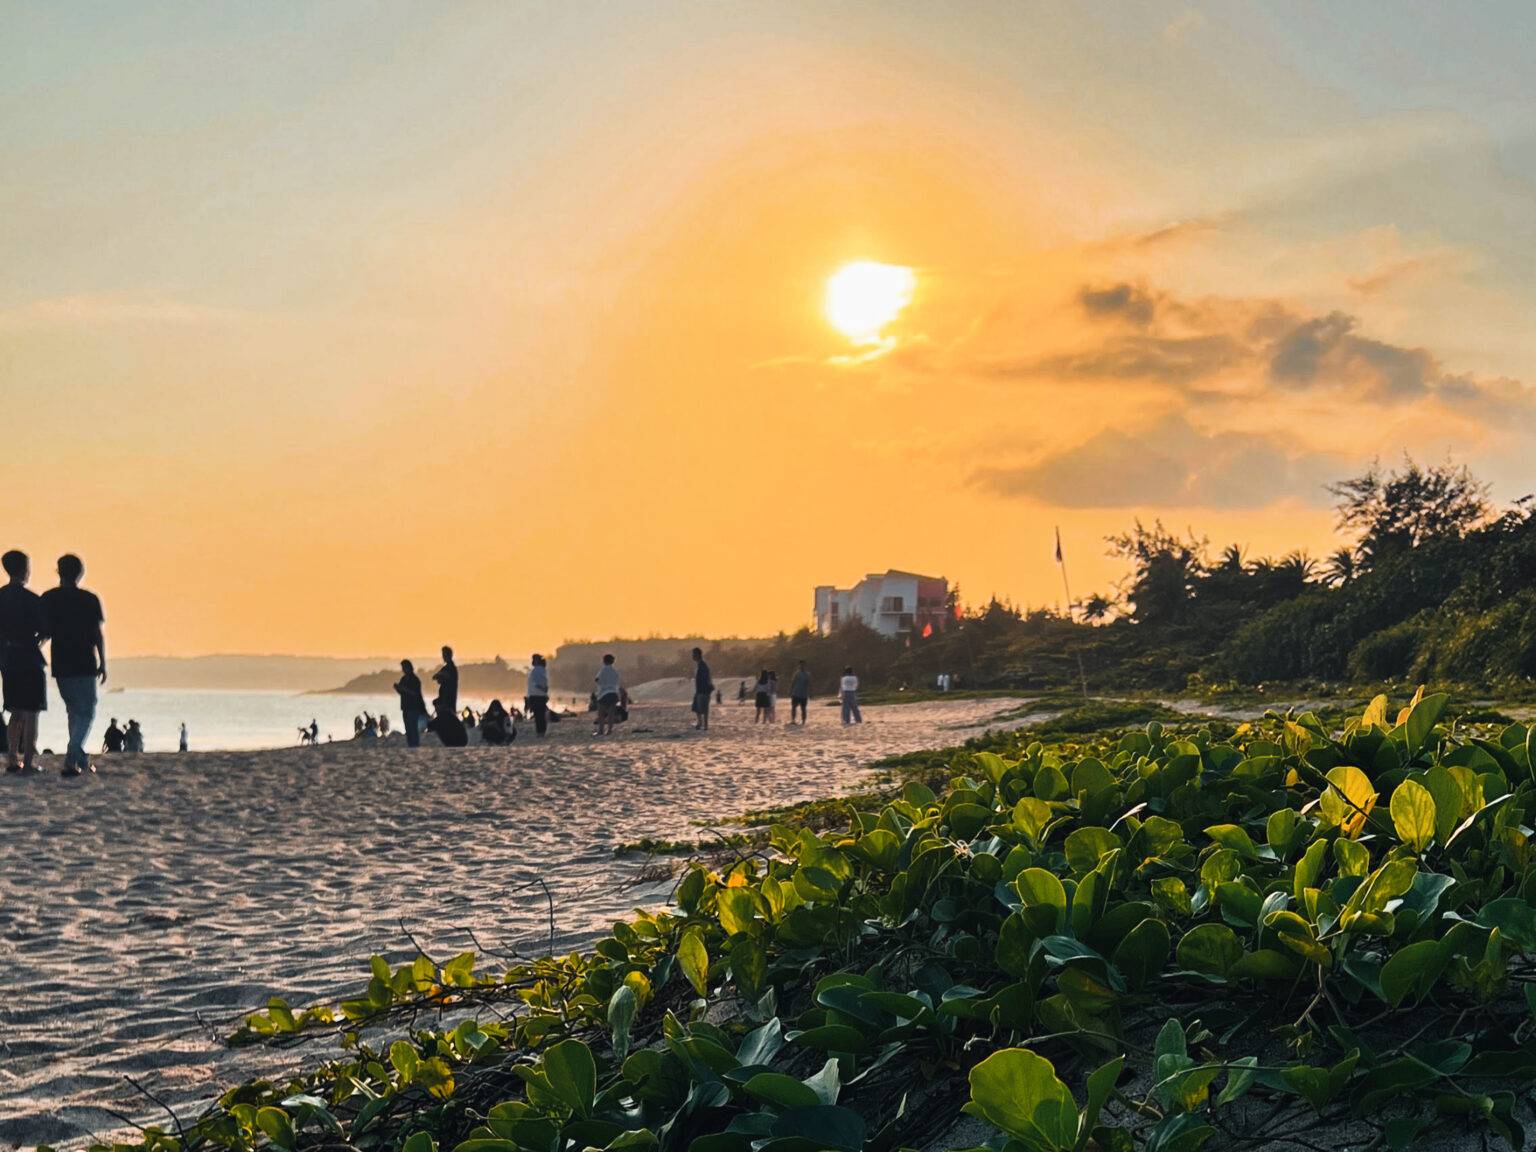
point(703, 689)
point(849, 687)
point(447, 678)
point(115, 738)
point(800, 693)
point(182, 743)
point(608, 689)
point(23, 627)
point(413, 709)
point(538, 693)
point(79, 656)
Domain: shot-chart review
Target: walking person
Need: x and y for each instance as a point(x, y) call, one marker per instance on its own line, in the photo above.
point(800, 693)
point(413, 709)
point(849, 689)
point(447, 678)
point(182, 743)
point(538, 693)
point(703, 689)
point(79, 656)
point(23, 627)
point(608, 693)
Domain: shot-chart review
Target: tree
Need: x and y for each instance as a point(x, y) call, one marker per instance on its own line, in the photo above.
point(1164, 570)
point(1096, 608)
point(1395, 512)
point(1341, 567)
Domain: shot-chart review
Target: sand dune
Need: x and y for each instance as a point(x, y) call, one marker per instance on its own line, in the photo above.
point(142, 909)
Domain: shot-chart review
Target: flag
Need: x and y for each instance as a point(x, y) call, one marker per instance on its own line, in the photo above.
point(1058, 546)
point(927, 630)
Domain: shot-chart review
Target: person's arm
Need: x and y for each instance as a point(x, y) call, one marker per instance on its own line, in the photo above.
point(101, 652)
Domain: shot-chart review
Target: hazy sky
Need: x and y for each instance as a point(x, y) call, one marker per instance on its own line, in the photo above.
point(357, 328)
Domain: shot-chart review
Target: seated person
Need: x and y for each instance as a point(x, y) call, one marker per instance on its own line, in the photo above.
point(496, 725)
point(449, 729)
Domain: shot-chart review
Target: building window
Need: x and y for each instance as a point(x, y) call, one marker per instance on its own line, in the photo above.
point(892, 604)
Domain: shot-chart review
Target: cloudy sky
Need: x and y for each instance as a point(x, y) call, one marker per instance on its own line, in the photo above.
point(355, 328)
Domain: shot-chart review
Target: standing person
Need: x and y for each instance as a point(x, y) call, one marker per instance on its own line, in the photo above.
point(314, 731)
point(608, 697)
point(182, 743)
point(849, 688)
point(23, 627)
point(413, 709)
point(703, 689)
point(773, 697)
point(800, 693)
point(447, 678)
point(133, 739)
point(538, 693)
point(113, 739)
point(760, 698)
point(79, 655)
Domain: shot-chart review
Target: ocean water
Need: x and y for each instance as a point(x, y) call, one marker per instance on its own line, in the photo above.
point(217, 720)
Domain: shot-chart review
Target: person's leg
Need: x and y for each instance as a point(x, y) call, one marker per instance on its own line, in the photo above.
point(412, 730)
point(28, 739)
point(79, 694)
point(847, 715)
point(13, 738)
point(858, 717)
point(540, 708)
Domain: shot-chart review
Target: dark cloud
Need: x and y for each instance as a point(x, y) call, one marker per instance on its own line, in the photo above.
point(1122, 301)
point(1171, 463)
point(1256, 346)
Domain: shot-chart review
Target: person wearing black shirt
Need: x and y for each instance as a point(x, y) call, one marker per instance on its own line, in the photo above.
point(447, 678)
point(115, 738)
point(23, 627)
point(413, 709)
point(79, 655)
point(703, 689)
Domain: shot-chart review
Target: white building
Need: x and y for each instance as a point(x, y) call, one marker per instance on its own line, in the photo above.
point(892, 603)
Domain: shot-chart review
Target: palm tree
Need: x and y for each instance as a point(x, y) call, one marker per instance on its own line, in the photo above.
point(1341, 567)
point(1095, 608)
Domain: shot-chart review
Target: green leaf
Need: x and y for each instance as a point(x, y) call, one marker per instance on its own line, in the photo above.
point(782, 1091)
point(1086, 846)
point(572, 1075)
point(419, 1142)
point(1142, 953)
point(1037, 886)
point(1309, 869)
point(694, 958)
point(1234, 837)
point(1421, 722)
point(1347, 800)
point(736, 908)
point(825, 1083)
point(1212, 949)
point(1413, 814)
point(820, 1127)
point(1030, 816)
point(1101, 1082)
point(622, 1006)
point(1412, 970)
point(1446, 793)
point(1018, 1092)
point(276, 1124)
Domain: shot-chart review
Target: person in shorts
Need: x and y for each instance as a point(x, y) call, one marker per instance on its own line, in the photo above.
point(23, 672)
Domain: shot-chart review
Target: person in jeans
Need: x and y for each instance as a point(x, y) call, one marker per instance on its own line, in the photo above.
point(703, 689)
point(23, 627)
point(79, 655)
point(413, 709)
point(800, 694)
point(849, 687)
point(538, 693)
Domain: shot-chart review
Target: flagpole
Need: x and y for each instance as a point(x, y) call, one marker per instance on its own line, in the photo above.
point(1071, 616)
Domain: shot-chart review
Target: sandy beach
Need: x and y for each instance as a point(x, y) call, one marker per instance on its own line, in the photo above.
point(141, 910)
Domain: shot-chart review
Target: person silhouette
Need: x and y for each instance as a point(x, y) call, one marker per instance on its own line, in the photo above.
point(79, 655)
point(114, 739)
point(413, 709)
point(447, 679)
point(23, 627)
point(182, 746)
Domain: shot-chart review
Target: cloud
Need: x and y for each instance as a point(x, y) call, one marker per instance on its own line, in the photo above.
point(92, 309)
point(1261, 348)
point(1173, 464)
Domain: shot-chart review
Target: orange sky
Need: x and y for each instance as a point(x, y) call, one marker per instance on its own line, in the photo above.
point(365, 336)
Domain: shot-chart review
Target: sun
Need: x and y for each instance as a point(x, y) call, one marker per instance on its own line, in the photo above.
point(864, 297)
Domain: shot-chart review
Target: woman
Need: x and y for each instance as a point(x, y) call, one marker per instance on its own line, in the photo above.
point(413, 708)
point(773, 697)
point(760, 698)
point(496, 725)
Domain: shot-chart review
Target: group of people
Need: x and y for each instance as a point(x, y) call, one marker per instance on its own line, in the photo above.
point(765, 696)
point(125, 739)
point(68, 619)
point(364, 727)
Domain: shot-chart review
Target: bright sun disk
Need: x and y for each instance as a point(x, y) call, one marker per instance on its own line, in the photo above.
point(864, 297)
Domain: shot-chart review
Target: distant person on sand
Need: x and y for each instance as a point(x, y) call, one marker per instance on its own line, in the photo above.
point(314, 731)
point(447, 678)
point(760, 698)
point(848, 687)
point(114, 739)
point(133, 739)
point(23, 627)
point(413, 709)
point(496, 726)
point(383, 725)
point(773, 697)
point(79, 656)
point(800, 694)
point(182, 744)
point(538, 693)
point(703, 689)
point(608, 689)
point(741, 692)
